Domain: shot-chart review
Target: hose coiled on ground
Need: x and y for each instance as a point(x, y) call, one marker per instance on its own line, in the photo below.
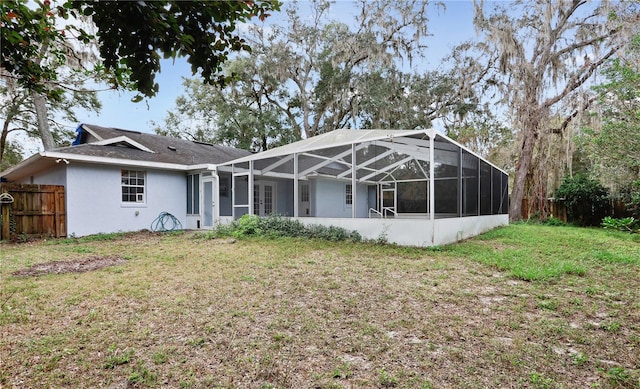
point(166, 222)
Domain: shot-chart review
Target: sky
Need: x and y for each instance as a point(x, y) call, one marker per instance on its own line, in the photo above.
point(447, 28)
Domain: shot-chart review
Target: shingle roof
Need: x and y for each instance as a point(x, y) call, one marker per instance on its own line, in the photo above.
point(116, 146)
point(164, 149)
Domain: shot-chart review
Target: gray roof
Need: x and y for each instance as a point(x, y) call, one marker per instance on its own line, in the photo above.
point(163, 149)
point(96, 144)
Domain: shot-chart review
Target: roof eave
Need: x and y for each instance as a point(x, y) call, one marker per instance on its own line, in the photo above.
point(115, 161)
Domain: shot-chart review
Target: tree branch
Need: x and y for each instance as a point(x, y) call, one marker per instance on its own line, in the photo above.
point(580, 79)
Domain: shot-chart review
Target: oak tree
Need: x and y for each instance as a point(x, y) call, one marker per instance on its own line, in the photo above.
point(543, 54)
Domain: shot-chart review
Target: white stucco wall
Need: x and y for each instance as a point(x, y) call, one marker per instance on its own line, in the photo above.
point(456, 229)
point(93, 194)
point(328, 199)
point(54, 176)
point(416, 232)
point(193, 221)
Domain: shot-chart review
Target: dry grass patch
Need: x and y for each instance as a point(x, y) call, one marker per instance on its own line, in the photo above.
point(288, 313)
point(75, 266)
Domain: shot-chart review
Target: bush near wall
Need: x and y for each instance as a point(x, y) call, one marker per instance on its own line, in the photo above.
point(587, 201)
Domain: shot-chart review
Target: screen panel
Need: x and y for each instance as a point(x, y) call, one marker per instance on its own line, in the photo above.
point(485, 188)
point(470, 190)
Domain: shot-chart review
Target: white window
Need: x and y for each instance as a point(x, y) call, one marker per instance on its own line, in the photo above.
point(304, 193)
point(133, 186)
point(348, 194)
point(193, 194)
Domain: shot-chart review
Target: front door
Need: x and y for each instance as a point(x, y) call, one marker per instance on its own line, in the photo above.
point(264, 198)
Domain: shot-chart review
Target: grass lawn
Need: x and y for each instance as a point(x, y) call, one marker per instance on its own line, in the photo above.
point(521, 306)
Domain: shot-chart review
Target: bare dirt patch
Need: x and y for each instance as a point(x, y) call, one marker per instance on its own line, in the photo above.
point(76, 266)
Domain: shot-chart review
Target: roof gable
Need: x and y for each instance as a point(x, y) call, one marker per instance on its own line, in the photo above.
point(117, 143)
point(123, 141)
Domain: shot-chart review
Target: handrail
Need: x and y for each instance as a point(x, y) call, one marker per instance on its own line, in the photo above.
point(385, 210)
point(375, 211)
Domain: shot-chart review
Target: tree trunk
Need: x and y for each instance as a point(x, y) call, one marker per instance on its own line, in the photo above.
point(522, 168)
point(3, 137)
point(40, 105)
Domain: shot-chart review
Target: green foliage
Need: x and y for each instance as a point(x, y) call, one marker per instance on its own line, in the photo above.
point(11, 155)
point(554, 221)
point(247, 225)
point(160, 357)
point(613, 143)
point(201, 30)
point(630, 194)
point(115, 357)
point(627, 224)
point(234, 115)
point(534, 252)
point(312, 74)
point(37, 56)
point(278, 226)
point(142, 375)
point(24, 30)
point(387, 380)
point(587, 200)
point(619, 377)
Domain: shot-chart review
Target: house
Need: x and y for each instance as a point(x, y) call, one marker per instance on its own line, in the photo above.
point(414, 187)
point(411, 187)
point(120, 180)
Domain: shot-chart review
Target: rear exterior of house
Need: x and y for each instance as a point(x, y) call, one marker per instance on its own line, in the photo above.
point(413, 187)
point(96, 199)
point(119, 180)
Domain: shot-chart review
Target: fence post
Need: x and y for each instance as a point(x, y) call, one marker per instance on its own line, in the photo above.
point(6, 221)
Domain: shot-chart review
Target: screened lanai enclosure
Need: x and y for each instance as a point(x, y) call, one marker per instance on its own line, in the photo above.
point(413, 187)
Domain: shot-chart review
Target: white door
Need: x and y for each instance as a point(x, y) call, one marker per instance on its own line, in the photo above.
point(208, 202)
point(304, 207)
point(264, 198)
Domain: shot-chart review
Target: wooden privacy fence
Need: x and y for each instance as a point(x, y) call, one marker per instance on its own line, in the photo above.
point(32, 210)
point(555, 207)
point(558, 209)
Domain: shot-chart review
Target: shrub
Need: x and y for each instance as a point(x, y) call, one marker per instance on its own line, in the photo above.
point(247, 225)
point(630, 194)
point(554, 221)
point(587, 200)
point(280, 226)
point(627, 224)
point(277, 225)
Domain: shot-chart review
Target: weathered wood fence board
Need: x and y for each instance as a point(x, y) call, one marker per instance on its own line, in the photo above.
point(36, 210)
point(558, 209)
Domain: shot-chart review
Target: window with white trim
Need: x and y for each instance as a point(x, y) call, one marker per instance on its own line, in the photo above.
point(193, 194)
point(304, 193)
point(348, 194)
point(133, 183)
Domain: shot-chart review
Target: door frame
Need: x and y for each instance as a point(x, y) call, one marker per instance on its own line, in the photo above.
point(304, 206)
point(260, 199)
point(214, 180)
